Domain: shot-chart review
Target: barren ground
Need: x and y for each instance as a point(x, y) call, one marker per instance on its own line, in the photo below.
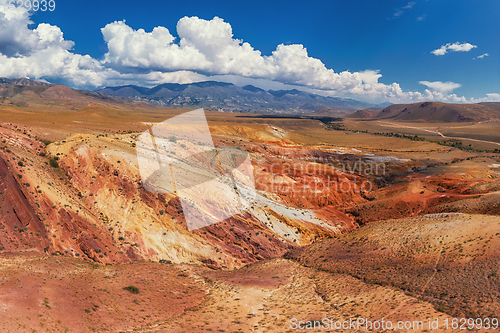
point(420, 242)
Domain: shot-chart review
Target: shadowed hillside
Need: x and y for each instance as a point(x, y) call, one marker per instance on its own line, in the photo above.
point(26, 92)
point(449, 260)
point(438, 112)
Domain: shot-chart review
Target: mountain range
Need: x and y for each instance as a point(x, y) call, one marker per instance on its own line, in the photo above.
point(229, 97)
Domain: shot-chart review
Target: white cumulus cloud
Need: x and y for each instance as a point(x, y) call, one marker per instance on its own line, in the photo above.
point(456, 47)
point(493, 97)
point(208, 47)
point(442, 87)
point(16, 40)
point(130, 48)
point(42, 52)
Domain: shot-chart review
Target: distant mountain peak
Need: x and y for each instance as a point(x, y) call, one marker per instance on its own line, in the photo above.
point(252, 88)
point(23, 82)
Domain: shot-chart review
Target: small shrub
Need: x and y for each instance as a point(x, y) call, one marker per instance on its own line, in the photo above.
point(132, 289)
point(53, 163)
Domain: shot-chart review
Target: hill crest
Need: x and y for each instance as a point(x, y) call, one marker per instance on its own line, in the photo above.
point(436, 112)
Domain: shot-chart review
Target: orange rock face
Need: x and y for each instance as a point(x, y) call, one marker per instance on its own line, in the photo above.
point(93, 205)
point(18, 219)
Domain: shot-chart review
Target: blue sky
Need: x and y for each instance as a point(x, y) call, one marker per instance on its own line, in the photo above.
point(368, 50)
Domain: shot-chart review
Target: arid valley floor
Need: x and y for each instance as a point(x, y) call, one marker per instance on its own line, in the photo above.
point(408, 227)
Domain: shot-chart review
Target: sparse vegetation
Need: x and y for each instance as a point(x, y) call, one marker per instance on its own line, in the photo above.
point(53, 163)
point(132, 289)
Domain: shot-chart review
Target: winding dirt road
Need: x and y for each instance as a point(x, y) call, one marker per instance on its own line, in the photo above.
point(439, 133)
